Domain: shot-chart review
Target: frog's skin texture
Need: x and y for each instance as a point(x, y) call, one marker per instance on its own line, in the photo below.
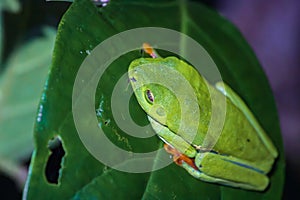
point(243, 153)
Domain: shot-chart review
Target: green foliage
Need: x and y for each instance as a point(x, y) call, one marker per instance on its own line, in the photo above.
point(6, 5)
point(21, 85)
point(81, 29)
point(10, 5)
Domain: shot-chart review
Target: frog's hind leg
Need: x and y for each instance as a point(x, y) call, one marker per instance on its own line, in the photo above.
point(227, 170)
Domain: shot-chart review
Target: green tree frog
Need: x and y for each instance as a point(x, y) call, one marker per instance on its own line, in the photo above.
point(243, 154)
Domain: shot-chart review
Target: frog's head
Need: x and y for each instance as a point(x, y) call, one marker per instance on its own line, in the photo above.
point(150, 81)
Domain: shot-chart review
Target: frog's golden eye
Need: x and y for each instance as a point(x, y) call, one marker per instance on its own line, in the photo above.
point(149, 96)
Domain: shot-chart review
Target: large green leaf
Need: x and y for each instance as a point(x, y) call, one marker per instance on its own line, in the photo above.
point(82, 28)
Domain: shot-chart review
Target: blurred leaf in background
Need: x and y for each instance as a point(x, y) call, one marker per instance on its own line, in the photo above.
point(80, 175)
point(21, 84)
point(10, 6)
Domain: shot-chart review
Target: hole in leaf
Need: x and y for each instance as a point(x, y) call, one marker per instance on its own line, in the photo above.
point(55, 160)
point(106, 122)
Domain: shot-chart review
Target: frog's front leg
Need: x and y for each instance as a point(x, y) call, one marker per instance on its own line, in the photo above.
point(179, 158)
point(172, 139)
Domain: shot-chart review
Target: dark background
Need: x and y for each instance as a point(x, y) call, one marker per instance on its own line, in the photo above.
point(271, 27)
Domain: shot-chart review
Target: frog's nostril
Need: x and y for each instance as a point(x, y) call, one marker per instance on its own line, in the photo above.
point(132, 79)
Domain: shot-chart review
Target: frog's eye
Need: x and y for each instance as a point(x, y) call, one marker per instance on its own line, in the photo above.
point(149, 96)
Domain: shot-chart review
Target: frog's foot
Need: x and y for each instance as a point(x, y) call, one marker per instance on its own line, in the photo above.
point(178, 157)
point(149, 50)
